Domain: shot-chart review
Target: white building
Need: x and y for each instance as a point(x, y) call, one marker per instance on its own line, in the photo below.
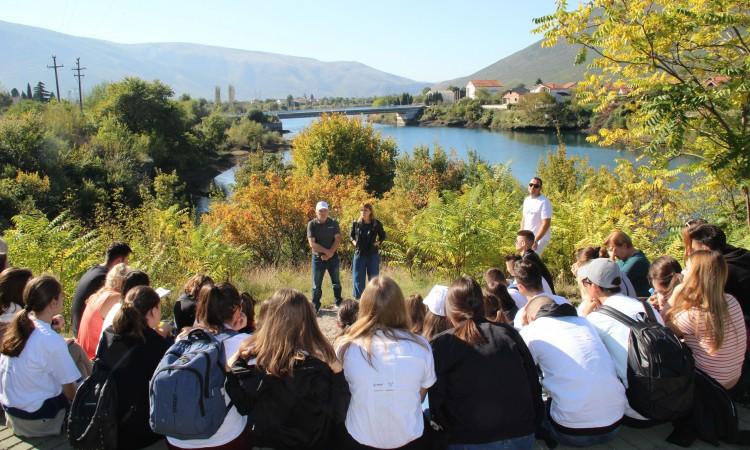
point(560, 91)
point(491, 86)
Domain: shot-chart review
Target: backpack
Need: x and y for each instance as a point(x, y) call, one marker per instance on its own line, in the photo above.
point(186, 398)
point(661, 369)
point(92, 421)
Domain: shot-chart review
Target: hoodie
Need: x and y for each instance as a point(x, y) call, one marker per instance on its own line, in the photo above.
point(738, 282)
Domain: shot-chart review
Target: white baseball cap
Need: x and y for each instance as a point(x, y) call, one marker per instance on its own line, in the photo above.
point(435, 300)
point(321, 205)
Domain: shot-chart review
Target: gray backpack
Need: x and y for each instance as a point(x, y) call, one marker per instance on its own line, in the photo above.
point(186, 395)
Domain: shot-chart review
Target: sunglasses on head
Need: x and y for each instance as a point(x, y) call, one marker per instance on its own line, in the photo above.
point(586, 282)
point(534, 185)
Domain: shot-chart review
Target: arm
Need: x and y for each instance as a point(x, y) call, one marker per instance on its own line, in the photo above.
point(543, 231)
point(316, 247)
point(69, 390)
point(353, 234)
point(335, 246)
point(381, 234)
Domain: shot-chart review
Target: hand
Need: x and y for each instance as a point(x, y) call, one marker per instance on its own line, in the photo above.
point(58, 323)
point(324, 256)
point(589, 306)
point(165, 329)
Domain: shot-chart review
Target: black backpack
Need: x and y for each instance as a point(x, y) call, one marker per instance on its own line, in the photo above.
point(92, 421)
point(661, 369)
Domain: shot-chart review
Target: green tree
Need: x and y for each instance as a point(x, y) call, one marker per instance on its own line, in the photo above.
point(685, 66)
point(29, 95)
point(347, 147)
point(41, 94)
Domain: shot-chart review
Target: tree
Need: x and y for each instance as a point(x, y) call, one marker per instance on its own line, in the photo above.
point(538, 81)
point(289, 100)
point(14, 93)
point(29, 95)
point(684, 67)
point(230, 94)
point(217, 96)
point(347, 147)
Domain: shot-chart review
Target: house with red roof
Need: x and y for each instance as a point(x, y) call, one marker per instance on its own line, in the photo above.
point(560, 91)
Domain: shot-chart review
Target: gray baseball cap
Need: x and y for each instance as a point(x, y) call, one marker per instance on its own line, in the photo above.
point(602, 272)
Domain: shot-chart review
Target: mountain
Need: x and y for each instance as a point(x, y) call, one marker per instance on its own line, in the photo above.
point(553, 64)
point(188, 68)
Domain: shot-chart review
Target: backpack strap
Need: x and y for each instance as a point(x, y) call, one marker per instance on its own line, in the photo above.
point(618, 316)
point(650, 317)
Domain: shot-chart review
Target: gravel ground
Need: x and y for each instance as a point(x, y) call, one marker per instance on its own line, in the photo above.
point(327, 323)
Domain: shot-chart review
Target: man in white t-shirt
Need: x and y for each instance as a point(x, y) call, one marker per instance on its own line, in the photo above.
point(587, 400)
point(602, 279)
point(529, 283)
point(536, 215)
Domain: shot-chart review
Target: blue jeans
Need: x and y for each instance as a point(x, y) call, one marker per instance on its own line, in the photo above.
point(319, 268)
point(364, 265)
point(519, 443)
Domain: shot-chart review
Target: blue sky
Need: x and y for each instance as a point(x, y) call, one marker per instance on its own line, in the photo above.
point(418, 39)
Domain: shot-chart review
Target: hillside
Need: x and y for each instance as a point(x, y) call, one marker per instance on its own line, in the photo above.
point(189, 68)
point(525, 66)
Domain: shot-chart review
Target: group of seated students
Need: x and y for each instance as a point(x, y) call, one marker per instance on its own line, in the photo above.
point(466, 367)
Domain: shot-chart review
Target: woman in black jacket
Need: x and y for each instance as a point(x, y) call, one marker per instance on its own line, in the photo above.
point(134, 326)
point(185, 305)
point(487, 390)
point(288, 378)
point(366, 235)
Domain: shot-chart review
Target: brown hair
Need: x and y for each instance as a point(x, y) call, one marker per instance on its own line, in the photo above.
point(37, 295)
point(665, 270)
point(381, 308)
point(348, 311)
point(417, 309)
point(368, 206)
point(195, 283)
point(248, 307)
point(12, 282)
point(618, 238)
point(130, 320)
point(687, 240)
point(216, 305)
point(3, 261)
point(528, 235)
point(465, 306)
point(286, 335)
point(586, 254)
point(262, 313)
point(493, 311)
point(434, 324)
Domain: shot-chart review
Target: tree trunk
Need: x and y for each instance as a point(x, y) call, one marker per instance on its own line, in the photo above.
point(747, 204)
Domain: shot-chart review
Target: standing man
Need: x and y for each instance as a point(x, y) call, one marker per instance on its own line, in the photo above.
point(92, 280)
point(537, 215)
point(324, 236)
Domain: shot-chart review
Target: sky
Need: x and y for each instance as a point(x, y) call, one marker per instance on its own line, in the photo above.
point(418, 39)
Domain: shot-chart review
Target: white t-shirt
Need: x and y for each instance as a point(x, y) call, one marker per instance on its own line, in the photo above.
point(534, 211)
point(39, 372)
point(517, 297)
point(518, 320)
point(10, 313)
point(385, 409)
point(578, 372)
point(234, 423)
point(616, 336)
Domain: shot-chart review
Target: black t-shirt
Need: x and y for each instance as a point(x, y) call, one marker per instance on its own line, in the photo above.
point(324, 233)
point(89, 283)
point(184, 311)
point(366, 234)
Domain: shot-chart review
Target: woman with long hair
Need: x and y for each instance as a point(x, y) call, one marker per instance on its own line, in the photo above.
point(37, 374)
point(500, 306)
point(134, 328)
point(366, 235)
point(709, 320)
point(12, 282)
point(473, 403)
point(388, 369)
point(304, 395)
point(97, 308)
point(664, 275)
point(417, 310)
point(219, 308)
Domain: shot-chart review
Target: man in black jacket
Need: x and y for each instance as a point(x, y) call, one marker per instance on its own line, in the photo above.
point(524, 244)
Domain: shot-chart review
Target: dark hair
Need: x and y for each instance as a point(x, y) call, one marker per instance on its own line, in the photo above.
point(665, 270)
point(434, 324)
point(130, 320)
point(690, 225)
point(539, 180)
point(117, 250)
point(526, 234)
point(465, 306)
point(248, 307)
point(3, 261)
point(37, 295)
point(195, 283)
point(709, 235)
point(12, 282)
point(417, 310)
point(512, 258)
point(216, 305)
point(135, 278)
point(348, 311)
point(586, 254)
point(528, 274)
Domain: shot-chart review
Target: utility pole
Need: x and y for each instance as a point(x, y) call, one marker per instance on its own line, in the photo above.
point(78, 75)
point(55, 66)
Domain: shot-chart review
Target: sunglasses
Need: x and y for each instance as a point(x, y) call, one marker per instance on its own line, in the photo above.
point(586, 282)
point(535, 186)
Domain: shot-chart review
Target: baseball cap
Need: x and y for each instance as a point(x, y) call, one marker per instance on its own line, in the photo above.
point(321, 205)
point(602, 272)
point(435, 300)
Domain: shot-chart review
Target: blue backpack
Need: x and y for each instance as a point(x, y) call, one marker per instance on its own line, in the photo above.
point(186, 395)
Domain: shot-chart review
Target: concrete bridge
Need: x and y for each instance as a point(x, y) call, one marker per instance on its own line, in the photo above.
point(405, 114)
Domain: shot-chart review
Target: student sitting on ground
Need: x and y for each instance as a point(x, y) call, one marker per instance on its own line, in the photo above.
point(603, 278)
point(304, 395)
point(664, 275)
point(632, 262)
point(435, 320)
point(584, 256)
point(248, 309)
point(587, 400)
point(347, 315)
point(417, 311)
point(524, 246)
point(386, 391)
point(97, 308)
point(487, 392)
point(134, 327)
point(529, 283)
point(12, 282)
point(37, 374)
point(132, 279)
point(184, 306)
point(709, 320)
point(504, 306)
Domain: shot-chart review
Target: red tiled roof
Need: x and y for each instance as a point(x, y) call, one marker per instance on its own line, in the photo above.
point(486, 83)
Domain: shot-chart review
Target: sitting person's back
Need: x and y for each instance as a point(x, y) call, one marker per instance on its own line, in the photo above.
point(134, 328)
point(587, 400)
point(184, 306)
point(12, 283)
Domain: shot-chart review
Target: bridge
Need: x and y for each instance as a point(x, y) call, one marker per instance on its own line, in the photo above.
point(405, 114)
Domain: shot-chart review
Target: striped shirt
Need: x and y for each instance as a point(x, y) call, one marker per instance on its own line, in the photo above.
point(725, 364)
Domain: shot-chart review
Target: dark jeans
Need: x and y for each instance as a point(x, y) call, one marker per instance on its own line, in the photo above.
point(364, 265)
point(519, 443)
point(319, 268)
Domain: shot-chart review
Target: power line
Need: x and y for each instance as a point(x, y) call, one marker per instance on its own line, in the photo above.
point(79, 75)
point(55, 66)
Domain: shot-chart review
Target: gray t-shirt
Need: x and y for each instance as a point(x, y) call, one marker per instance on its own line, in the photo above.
point(324, 233)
